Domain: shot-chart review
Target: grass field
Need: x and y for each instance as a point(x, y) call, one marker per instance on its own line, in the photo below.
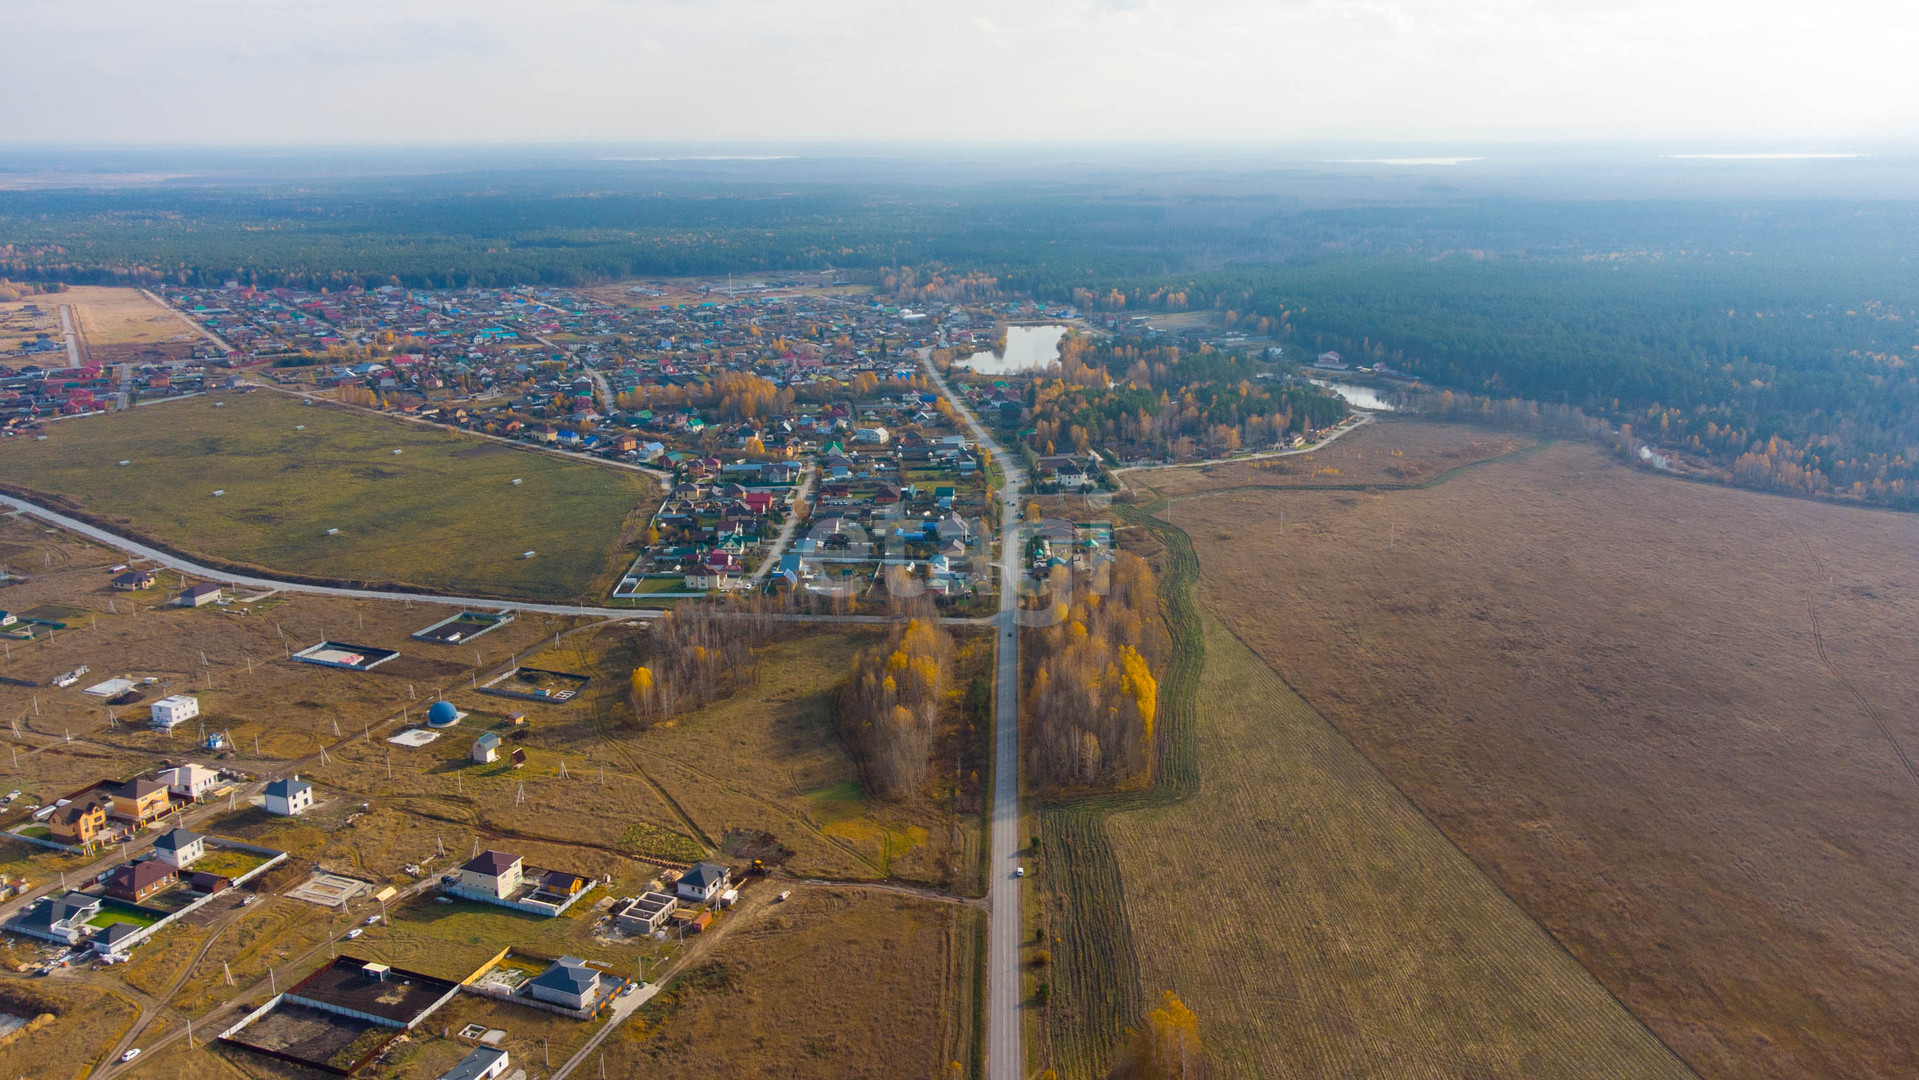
point(88, 1022)
point(766, 759)
point(118, 324)
point(1321, 927)
point(442, 514)
point(1672, 721)
point(833, 983)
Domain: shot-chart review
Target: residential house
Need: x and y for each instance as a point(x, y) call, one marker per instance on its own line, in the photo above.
point(180, 848)
point(172, 711)
point(568, 981)
point(494, 872)
point(60, 919)
point(288, 798)
point(135, 882)
point(79, 822)
point(198, 595)
point(703, 882)
point(134, 579)
point(190, 781)
point(139, 800)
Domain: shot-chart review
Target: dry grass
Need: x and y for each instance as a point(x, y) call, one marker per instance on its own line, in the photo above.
point(89, 1021)
point(1321, 927)
point(1670, 720)
point(246, 687)
point(118, 325)
point(767, 759)
point(832, 984)
point(1387, 452)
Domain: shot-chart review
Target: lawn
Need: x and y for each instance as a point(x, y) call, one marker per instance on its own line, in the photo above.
point(112, 911)
point(443, 513)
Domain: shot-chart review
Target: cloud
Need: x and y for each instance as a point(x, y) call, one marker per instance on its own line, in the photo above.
point(490, 70)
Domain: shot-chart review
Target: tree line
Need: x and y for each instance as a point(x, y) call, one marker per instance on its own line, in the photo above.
point(1092, 678)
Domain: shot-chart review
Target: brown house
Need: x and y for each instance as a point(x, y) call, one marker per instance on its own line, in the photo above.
point(134, 882)
point(139, 800)
point(78, 822)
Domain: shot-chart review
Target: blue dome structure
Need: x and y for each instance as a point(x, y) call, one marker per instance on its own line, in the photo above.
point(442, 714)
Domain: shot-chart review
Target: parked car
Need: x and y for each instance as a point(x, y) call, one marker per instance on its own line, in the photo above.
point(373, 920)
point(1019, 871)
point(129, 1055)
point(443, 899)
point(353, 933)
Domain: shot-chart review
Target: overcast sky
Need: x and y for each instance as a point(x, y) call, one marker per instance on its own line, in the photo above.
point(1746, 74)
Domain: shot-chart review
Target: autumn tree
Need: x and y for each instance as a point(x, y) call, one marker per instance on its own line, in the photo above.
point(698, 654)
point(1092, 692)
point(889, 709)
point(1165, 1047)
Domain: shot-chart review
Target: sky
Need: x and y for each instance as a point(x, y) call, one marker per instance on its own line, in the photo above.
point(1703, 75)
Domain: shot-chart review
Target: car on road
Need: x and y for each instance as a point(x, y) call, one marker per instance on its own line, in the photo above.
point(373, 920)
point(1019, 871)
point(129, 1055)
point(353, 933)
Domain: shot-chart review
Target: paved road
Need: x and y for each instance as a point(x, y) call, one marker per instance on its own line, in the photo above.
point(772, 560)
point(73, 338)
point(174, 562)
point(1004, 1035)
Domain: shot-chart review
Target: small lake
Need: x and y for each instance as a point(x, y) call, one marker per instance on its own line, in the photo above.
point(1027, 347)
point(1359, 397)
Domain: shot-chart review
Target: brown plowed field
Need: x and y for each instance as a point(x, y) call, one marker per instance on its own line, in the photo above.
point(1673, 721)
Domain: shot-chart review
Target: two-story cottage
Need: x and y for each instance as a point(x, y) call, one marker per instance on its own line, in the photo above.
point(289, 798)
point(494, 872)
point(180, 848)
point(79, 822)
point(139, 801)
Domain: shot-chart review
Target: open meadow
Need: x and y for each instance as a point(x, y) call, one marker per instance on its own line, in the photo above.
point(1672, 721)
point(761, 772)
point(117, 325)
point(834, 983)
point(414, 506)
point(1321, 927)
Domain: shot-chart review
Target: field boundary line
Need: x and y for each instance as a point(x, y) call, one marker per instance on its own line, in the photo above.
point(1463, 853)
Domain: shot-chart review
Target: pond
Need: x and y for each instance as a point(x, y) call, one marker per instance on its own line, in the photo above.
point(1359, 397)
point(1027, 347)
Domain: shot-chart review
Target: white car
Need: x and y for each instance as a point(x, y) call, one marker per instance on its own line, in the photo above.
point(373, 920)
point(353, 933)
point(1019, 871)
point(129, 1055)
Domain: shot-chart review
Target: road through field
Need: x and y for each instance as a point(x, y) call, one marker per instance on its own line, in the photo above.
point(1004, 1037)
point(174, 562)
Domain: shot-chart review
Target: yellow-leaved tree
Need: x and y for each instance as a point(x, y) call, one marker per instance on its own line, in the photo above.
point(1165, 1047)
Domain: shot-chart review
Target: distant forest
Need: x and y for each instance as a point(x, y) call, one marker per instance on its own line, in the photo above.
point(1776, 339)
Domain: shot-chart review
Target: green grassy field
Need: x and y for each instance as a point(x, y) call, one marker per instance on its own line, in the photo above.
point(442, 514)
